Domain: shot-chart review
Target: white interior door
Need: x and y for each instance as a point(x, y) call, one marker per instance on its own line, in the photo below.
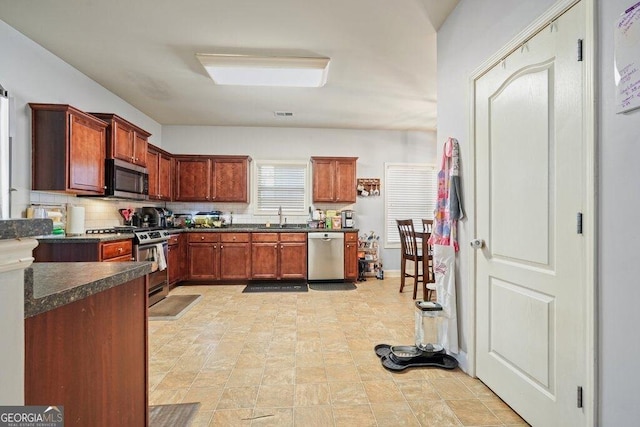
point(530, 174)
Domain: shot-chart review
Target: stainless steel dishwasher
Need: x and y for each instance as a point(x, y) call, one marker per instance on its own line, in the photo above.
point(326, 256)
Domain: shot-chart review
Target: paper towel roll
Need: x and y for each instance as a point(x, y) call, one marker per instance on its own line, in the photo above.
point(75, 220)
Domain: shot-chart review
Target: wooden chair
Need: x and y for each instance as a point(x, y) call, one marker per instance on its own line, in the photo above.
point(427, 228)
point(410, 251)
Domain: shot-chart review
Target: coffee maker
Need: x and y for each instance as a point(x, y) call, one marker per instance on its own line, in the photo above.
point(153, 217)
point(348, 219)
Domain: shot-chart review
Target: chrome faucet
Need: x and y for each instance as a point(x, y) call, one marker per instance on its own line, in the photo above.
point(280, 215)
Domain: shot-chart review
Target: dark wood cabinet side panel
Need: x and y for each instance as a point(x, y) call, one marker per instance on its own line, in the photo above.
point(91, 357)
point(49, 150)
point(66, 252)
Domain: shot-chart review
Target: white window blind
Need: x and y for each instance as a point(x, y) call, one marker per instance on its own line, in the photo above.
point(410, 193)
point(281, 184)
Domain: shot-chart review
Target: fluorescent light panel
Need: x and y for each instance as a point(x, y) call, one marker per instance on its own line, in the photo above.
point(248, 70)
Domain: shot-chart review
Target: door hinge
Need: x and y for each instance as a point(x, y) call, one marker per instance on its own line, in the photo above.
point(579, 49)
point(579, 401)
point(579, 223)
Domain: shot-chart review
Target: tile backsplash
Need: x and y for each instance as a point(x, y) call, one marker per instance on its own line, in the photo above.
point(104, 213)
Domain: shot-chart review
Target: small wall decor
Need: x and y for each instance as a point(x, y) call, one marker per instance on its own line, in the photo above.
point(368, 187)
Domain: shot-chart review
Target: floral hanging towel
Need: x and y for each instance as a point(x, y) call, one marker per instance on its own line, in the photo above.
point(449, 204)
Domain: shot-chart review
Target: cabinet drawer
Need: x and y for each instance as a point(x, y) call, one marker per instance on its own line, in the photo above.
point(234, 237)
point(173, 239)
point(293, 237)
point(116, 249)
point(264, 237)
point(203, 237)
point(350, 237)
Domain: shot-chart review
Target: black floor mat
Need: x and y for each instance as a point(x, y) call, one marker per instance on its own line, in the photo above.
point(332, 286)
point(275, 287)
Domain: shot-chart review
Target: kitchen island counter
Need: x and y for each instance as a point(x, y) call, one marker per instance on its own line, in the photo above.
point(51, 285)
point(85, 238)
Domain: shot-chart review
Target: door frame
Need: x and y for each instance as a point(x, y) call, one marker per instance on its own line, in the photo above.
point(590, 168)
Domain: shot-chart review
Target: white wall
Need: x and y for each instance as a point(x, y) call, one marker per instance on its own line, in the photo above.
point(373, 149)
point(493, 23)
point(32, 74)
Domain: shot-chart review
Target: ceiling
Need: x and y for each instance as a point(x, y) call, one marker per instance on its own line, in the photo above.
point(382, 73)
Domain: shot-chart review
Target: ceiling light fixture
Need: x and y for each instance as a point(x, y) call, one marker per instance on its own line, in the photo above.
point(251, 70)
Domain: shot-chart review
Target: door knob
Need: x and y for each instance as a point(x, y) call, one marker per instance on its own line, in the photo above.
point(477, 243)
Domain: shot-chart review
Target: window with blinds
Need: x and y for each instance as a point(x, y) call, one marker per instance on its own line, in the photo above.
point(410, 193)
point(280, 184)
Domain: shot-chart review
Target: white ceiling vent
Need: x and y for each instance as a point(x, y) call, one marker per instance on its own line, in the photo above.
point(283, 113)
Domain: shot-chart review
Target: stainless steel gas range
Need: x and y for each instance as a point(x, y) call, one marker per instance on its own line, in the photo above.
point(151, 245)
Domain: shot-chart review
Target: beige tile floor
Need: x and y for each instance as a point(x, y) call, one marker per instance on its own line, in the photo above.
point(307, 359)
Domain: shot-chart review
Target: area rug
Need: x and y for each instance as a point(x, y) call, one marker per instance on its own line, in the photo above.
point(332, 286)
point(275, 287)
point(173, 307)
point(180, 414)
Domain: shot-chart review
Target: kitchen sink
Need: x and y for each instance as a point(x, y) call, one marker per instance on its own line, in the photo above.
point(287, 226)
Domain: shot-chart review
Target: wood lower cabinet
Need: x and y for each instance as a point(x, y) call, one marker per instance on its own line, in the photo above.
point(111, 251)
point(212, 178)
point(159, 167)
point(264, 255)
point(219, 256)
point(118, 251)
point(68, 150)
point(90, 361)
point(351, 257)
point(235, 256)
point(125, 141)
point(176, 262)
point(204, 256)
point(279, 256)
point(293, 256)
point(334, 179)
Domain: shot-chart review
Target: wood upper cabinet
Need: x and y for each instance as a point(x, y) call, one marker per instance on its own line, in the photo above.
point(279, 256)
point(159, 167)
point(125, 141)
point(212, 178)
point(231, 179)
point(193, 178)
point(334, 179)
point(68, 150)
point(351, 257)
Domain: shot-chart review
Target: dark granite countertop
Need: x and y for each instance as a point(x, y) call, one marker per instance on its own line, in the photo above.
point(261, 228)
point(85, 238)
point(48, 285)
point(236, 228)
point(23, 227)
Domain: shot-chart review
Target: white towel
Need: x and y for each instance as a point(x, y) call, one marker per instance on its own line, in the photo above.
point(159, 255)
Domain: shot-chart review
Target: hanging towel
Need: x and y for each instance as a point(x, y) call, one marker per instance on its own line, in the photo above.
point(444, 240)
point(444, 259)
point(449, 203)
point(159, 256)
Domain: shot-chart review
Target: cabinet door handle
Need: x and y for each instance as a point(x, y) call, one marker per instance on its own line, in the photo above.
point(201, 237)
point(220, 247)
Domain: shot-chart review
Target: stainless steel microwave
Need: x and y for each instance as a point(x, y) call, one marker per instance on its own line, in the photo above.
point(126, 181)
